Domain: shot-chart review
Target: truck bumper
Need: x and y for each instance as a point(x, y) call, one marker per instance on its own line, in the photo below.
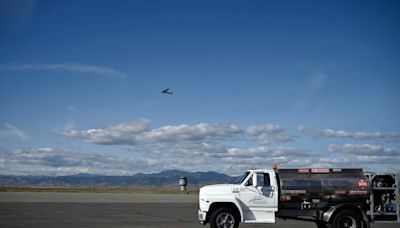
point(202, 216)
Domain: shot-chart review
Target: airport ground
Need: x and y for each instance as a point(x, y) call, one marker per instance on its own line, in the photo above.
point(28, 209)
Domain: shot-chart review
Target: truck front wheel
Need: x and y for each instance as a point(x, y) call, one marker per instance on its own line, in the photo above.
point(224, 217)
point(346, 219)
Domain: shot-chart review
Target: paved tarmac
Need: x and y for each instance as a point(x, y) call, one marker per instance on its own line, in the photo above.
point(111, 210)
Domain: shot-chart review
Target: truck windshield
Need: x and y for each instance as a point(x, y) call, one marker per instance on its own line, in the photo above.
point(241, 178)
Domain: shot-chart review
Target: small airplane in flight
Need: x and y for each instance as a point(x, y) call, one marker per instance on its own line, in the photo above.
point(167, 91)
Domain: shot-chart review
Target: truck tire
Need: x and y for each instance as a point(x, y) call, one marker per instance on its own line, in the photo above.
point(346, 219)
point(224, 217)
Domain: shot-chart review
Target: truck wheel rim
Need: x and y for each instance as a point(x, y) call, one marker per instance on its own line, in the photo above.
point(347, 222)
point(225, 220)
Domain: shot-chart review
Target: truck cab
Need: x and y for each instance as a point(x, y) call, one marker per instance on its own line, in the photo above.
point(252, 198)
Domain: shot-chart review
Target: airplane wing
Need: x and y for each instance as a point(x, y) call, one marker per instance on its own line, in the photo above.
point(167, 91)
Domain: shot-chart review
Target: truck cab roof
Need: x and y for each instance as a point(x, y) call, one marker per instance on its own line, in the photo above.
point(260, 170)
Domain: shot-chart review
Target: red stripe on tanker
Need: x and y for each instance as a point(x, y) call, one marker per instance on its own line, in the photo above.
point(318, 170)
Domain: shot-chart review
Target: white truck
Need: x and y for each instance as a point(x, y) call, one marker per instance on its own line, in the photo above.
point(339, 198)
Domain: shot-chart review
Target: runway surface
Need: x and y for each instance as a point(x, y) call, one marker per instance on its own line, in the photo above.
point(111, 210)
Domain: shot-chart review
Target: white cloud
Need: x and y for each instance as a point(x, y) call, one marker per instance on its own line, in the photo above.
point(266, 151)
point(379, 159)
point(51, 161)
point(12, 131)
point(365, 149)
point(236, 165)
point(78, 68)
point(195, 147)
point(2, 161)
point(342, 161)
point(255, 162)
point(284, 138)
point(125, 133)
point(364, 161)
point(359, 135)
point(206, 146)
point(267, 128)
point(300, 163)
point(369, 163)
point(185, 156)
point(265, 138)
point(259, 157)
point(199, 132)
point(206, 156)
point(370, 157)
point(137, 132)
point(269, 133)
point(198, 147)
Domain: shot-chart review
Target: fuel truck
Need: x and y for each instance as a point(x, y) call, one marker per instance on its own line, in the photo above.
point(337, 198)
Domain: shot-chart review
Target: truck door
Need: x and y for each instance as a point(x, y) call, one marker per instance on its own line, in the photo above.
point(259, 199)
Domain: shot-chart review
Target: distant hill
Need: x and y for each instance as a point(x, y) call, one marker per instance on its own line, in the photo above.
point(168, 178)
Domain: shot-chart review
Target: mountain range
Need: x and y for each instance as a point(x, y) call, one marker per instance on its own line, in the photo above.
point(168, 178)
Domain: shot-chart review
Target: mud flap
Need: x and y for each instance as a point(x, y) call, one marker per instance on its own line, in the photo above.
point(365, 221)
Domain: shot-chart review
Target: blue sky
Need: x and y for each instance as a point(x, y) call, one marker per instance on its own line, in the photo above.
point(298, 83)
